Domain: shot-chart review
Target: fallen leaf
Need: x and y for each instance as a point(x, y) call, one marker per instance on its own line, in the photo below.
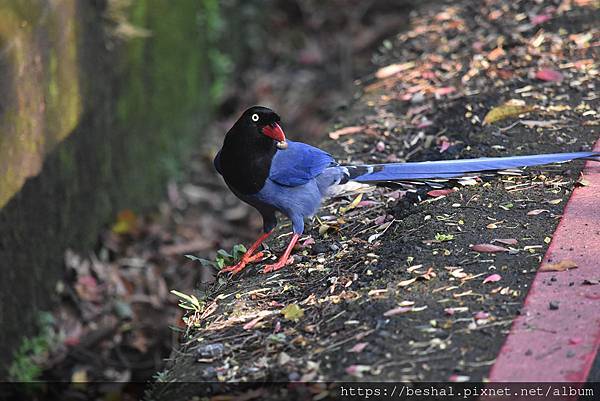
point(292, 312)
point(126, 222)
point(537, 211)
point(488, 248)
point(393, 69)
point(283, 358)
point(358, 347)
point(346, 131)
point(549, 75)
point(459, 378)
point(440, 192)
point(308, 242)
point(492, 278)
point(540, 19)
point(250, 325)
point(496, 54)
point(352, 205)
point(506, 241)
point(559, 266)
point(357, 370)
point(506, 110)
point(404, 283)
point(445, 91)
point(397, 311)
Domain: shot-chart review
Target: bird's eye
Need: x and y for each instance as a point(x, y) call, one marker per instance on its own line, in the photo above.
point(254, 117)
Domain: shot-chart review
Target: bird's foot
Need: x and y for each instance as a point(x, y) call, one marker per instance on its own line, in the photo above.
point(239, 266)
point(278, 265)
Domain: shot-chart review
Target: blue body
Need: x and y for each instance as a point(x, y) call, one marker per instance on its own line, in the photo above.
point(302, 175)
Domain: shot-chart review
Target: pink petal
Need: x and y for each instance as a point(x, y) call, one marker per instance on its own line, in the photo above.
point(444, 146)
point(397, 311)
point(549, 75)
point(481, 315)
point(440, 192)
point(445, 90)
point(458, 378)
point(492, 278)
point(540, 19)
point(358, 347)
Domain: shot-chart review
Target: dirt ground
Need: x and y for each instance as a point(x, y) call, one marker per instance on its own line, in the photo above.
point(390, 288)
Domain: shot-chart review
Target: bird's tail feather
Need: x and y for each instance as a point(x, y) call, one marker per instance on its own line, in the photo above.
point(372, 173)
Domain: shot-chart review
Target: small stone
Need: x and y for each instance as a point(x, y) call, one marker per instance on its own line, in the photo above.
point(570, 354)
point(319, 248)
point(553, 305)
point(334, 247)
point(211, 350)
point(417, 98)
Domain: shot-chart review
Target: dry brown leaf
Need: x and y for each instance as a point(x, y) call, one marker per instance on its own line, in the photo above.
point(536, 212)
point(559, 266)
point(407, 282)
point(506, 241)
point(393, 69)
point(496, 54)
point(488, 248)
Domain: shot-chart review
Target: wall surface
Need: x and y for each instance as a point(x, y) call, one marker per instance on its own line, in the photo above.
point(102, 101)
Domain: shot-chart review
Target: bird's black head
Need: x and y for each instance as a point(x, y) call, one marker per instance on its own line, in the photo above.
point(262, 121)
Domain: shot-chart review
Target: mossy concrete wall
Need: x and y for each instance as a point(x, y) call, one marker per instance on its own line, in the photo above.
point(101, 103)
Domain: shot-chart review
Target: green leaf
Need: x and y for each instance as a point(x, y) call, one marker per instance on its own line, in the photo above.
point(183, 296)
point(292, 312)
point(223, 253)
point(443, 237)
point(238, 251)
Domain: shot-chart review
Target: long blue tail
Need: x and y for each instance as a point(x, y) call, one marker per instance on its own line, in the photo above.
point(456, 168)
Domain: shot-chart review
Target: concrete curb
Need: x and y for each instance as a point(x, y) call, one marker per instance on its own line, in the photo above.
point(559, 343)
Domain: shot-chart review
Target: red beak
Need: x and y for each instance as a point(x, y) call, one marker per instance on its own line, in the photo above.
point(274, 131)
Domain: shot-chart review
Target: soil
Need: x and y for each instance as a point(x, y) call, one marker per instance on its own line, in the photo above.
point(396, 306)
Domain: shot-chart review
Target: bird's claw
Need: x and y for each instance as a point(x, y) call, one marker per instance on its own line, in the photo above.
point(277, 265)
point(239, 266)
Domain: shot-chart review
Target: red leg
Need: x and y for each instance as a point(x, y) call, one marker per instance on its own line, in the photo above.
point(248, 257)
point(285, 258)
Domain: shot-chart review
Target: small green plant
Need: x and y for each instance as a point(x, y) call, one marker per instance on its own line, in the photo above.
point(189, 302)
point(223, 258)
point(443, 237)
point(29, 358)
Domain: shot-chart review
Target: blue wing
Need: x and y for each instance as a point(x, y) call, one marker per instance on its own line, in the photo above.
point(298, 164)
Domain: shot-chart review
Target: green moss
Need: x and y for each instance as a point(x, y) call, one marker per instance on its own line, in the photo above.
point(173, 79)
point(28, 359)
point(45, 102)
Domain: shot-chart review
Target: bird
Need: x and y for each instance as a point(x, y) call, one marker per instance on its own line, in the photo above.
point(278, 176)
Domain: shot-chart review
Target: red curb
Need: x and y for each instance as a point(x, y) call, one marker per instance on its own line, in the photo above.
point(560, 345)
